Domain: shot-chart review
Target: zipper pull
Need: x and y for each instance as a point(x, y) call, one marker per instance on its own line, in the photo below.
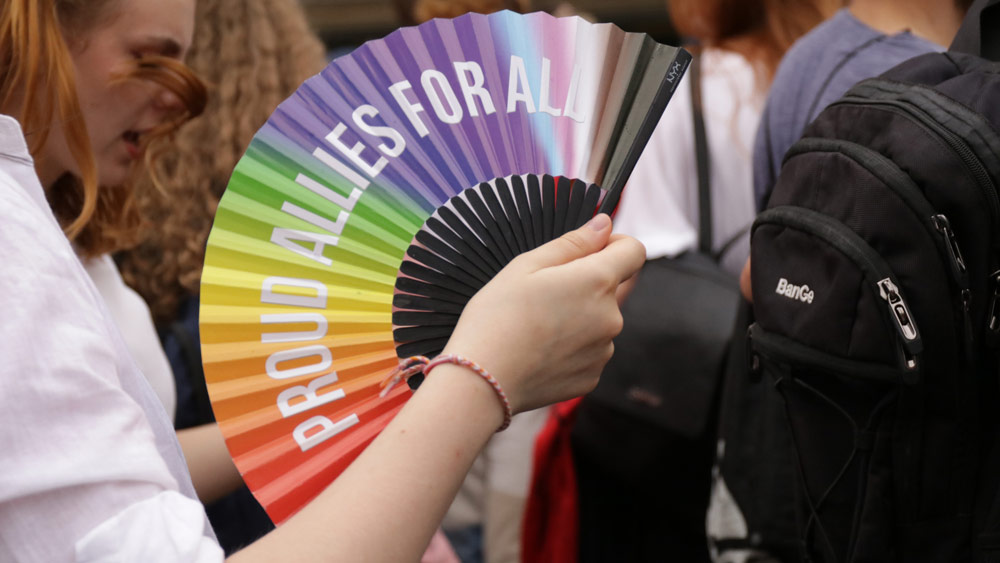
point(899, 310)
point(905, 326)
point(958, 268)
point(967, 325)
point(753, 358)
point(993, 312)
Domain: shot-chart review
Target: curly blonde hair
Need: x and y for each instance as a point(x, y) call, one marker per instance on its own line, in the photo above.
point(253, 54)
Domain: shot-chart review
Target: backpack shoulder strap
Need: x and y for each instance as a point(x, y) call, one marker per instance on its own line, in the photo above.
point(702, 160)
point(980, 31)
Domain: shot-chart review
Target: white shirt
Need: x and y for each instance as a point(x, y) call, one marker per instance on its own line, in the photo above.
point(660, 203)
point(90, 468)
point(134, 321)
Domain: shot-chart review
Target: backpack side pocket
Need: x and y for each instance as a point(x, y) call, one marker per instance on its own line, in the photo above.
point(836, 338)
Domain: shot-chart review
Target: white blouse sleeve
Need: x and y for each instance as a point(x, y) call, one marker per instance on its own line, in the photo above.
point(80, 471)
point(171, 517)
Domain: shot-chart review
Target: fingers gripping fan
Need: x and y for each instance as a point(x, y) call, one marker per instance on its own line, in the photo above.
point(381, 196)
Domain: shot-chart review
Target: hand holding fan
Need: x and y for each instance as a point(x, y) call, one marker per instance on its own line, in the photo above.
point(381, 196)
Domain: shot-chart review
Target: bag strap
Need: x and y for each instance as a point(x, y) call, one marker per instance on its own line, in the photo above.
point(702, 160)
point(980, 31)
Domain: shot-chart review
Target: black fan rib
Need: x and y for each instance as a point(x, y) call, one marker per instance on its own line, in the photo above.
point(442, 231)
point(492, 227)
point(577, 191)
point(434, 261)
point(430, 348)
point(428, 275)
point(479, 228)
point(500, 216)
point(590, 201)
point(535, 203)
point(510, 210)
point(524, 212)
point(548, 207)
point(439, 247)
point(417, 287)
point(462, 231)
point(422, 318)
point(415, 333)
point(562, 205)
point(417, 303)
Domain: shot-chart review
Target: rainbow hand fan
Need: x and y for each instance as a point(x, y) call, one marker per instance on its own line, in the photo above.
point(381, 196)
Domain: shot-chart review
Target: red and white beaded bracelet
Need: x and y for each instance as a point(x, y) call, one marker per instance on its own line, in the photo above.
point(421, 364)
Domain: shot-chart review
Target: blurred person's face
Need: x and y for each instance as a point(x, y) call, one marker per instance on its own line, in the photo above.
point(117, 111)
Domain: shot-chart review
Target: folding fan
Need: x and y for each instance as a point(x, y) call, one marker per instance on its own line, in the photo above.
point(381, 196)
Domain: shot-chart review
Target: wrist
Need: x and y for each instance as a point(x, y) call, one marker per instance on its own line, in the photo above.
point(476, 397)
point(503, 367)
point(414, 365)
point(485, 376)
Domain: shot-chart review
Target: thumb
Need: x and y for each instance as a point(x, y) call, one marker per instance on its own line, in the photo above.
point(588, 239)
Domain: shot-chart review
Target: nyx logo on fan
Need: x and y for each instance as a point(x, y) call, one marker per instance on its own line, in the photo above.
point(674, 72)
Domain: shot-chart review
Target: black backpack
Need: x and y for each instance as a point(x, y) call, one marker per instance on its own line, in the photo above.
point(876, 283)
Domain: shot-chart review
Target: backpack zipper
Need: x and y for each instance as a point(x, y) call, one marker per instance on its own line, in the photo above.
point(959, 270)
point(784, 349)
point(929, 102)
point(874, 268)
point(993, 311)
point(957, 145)
point(936, 224)
point(900, 313)
point(873, 89)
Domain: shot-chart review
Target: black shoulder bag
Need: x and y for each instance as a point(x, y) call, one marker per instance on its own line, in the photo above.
point(668, 359)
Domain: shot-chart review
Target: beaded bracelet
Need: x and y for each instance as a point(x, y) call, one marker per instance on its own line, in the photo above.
point(421, 364)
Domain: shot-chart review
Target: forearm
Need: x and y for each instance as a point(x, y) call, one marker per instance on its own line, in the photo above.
point(387, 504)
point(212, 471)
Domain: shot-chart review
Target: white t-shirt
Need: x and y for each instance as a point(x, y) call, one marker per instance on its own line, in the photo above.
point(91, 469)
point(131, 315)
point(660, 203)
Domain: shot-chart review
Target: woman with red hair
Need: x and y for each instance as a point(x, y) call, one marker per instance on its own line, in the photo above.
point(92, 469)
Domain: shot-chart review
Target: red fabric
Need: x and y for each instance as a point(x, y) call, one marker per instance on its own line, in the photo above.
point(551, 518)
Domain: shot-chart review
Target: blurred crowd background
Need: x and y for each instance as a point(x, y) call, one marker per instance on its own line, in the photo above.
point(343, 24)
